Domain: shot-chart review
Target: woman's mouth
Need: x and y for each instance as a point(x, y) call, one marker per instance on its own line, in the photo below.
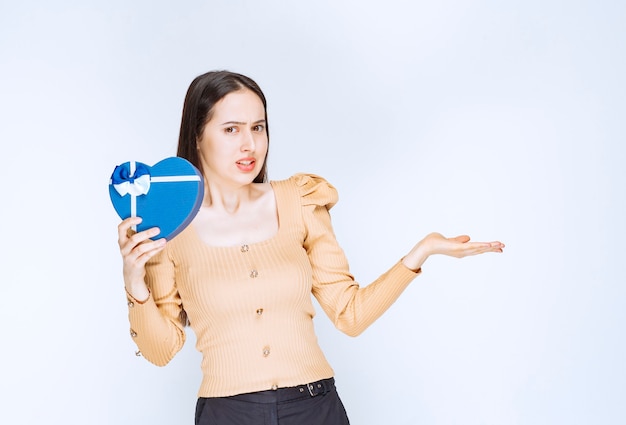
point(246, 164)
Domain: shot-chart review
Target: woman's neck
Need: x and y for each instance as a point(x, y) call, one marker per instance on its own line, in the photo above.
point(231, 216)
point(227, 198)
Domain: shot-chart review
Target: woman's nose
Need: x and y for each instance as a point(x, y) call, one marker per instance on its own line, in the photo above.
point(248, 144)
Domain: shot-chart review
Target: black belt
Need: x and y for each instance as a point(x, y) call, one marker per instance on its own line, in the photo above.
point(312, 389)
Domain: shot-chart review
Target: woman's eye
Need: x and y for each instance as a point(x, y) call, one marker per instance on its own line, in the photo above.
point(230, 129)
point(258, 128)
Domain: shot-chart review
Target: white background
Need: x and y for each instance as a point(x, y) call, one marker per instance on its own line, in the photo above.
point(501, 119)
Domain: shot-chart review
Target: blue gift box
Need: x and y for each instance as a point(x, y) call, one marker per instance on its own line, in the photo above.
point(167, 195)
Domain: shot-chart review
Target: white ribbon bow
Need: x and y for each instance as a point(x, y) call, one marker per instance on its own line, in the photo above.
point(139, 187)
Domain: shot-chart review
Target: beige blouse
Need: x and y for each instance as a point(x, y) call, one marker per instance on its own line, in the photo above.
point(250, 305)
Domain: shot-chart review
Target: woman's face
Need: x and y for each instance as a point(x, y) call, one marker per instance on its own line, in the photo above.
point(233, 144)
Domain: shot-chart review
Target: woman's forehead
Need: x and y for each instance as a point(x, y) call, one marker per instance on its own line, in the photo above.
point(239, 105)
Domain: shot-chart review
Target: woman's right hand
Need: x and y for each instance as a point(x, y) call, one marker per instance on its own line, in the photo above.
point(136, 250)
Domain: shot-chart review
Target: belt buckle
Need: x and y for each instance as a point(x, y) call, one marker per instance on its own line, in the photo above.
point(316, 388)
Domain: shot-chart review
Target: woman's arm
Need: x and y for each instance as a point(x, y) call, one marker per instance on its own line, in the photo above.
point(352, 307)
point(154, 305)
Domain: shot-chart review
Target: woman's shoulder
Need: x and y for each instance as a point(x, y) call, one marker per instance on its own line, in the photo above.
point(312, 189)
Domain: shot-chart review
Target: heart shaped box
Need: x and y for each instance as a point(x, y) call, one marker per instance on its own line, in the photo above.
point(167, 195)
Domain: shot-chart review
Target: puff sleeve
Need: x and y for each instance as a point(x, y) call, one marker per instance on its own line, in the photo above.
point(156, 327)
point(352, 308)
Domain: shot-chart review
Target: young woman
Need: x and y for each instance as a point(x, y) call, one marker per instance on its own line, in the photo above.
point(243, 272)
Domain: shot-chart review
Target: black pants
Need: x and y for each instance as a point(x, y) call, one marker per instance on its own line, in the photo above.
point(311, 404)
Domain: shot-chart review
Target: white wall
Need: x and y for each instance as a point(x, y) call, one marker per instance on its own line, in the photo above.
point(503, 120)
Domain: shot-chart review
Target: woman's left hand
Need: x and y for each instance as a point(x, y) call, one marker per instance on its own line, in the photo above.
point(459, 247)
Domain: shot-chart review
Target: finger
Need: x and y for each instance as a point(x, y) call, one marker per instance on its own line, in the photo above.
point(496, 246)
point(143, 252)
point(125, 226)
point(135, 261)
point(461, 238)
point(483, 247)
point(137, 239)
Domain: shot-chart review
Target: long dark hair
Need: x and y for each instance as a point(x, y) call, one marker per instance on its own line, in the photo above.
point(203, 93)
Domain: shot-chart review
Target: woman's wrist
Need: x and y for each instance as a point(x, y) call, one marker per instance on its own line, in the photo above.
point(139, 292)
point(416, 257)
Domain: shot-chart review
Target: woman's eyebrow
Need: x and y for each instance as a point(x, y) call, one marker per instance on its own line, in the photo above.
point(261, 121)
